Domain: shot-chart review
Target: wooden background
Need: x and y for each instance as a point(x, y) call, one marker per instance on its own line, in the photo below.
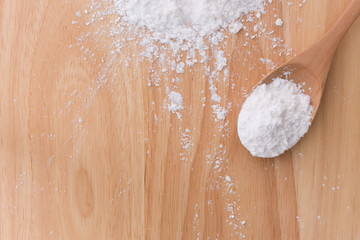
point(84, 157)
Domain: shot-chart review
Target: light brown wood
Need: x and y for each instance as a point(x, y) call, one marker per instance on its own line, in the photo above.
point(95, 163)
point(311, 68)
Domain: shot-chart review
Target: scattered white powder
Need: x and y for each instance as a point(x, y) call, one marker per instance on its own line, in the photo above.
point(235, 27)
point(279, 22)
point(187, 144)
point(274, 118)
point(214, 96)
point(269, 63)
point(78, 13)
point(228, 178)
point(220, 60)
point(219, 112)
point(176, 102)
point(180, 67)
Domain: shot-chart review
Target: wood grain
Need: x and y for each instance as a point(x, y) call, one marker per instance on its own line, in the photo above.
point(84, 157)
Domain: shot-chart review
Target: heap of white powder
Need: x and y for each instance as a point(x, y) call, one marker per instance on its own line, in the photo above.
point(184, 22)
point(274, 118)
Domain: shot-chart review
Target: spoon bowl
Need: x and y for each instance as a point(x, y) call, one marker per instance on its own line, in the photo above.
point(301, 75)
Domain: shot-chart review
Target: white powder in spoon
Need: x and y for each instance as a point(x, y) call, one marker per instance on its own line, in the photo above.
point(274, 118)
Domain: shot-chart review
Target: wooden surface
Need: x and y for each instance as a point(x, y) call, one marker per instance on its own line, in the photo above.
point(82, 155)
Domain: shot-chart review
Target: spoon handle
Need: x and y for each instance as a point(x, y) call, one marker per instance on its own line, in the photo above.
point(338, 31)
point(318, 58)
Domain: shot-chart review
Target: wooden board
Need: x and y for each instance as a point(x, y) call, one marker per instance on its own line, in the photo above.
point(83, 157)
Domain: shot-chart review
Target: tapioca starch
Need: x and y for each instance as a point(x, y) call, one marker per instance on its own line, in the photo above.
point(274, 118)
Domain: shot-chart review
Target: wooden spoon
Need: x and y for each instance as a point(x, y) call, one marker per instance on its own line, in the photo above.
point(312, 66)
